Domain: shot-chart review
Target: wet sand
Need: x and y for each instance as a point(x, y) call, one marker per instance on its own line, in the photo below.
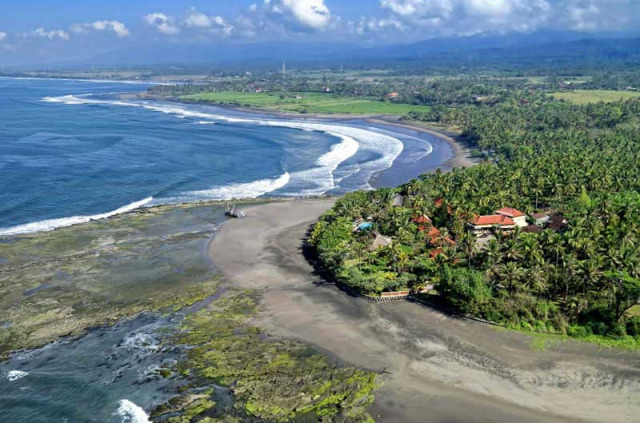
point(435, 368)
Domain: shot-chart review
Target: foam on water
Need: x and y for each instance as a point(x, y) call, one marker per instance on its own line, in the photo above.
point(14, 375)
point(51, 224)
point(131, 413)
point(320, 177)
point(235, 191)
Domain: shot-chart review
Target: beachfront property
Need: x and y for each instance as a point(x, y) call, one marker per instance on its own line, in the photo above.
point(517, 216)
point(483, 225)
point(397, 200)
point(380, 241)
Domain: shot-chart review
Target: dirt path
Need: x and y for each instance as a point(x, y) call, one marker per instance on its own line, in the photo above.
point(435, 368)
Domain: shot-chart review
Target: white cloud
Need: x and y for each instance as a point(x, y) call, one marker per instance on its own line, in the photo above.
point(466, 17)
point(118, 28)
point(309, 14)
point(162, 23)
point(216, 24)
point(51, 35)
point(3, 36)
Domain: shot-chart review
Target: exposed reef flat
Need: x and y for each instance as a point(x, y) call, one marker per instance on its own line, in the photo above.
point(63, 282)
point(271, 378)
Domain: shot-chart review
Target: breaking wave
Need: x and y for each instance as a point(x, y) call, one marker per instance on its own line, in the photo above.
point(235, 191)
point(14, 375)
point(131, 413)
point(51, 224)
point(385, 148)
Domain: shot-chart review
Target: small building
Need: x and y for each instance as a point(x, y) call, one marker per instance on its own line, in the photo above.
point(540, 219)
point(423, 222)
point(397, 200)
point(558, 223)
point(435, 253)
point(517, 216)
point(482, 225)
point(440, 202)
point(380, 241)
point(435, 238)
point(532, 229)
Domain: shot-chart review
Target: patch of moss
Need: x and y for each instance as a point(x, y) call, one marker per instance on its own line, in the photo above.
point(277, 380)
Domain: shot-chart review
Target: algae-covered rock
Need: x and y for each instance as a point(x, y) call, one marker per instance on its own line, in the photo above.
point(63, 282)
point(271, 379)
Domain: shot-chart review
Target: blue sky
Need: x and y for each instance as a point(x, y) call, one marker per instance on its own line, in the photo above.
point(45, 29)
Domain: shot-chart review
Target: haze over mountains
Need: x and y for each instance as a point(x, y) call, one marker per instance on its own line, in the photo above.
point(544, 47)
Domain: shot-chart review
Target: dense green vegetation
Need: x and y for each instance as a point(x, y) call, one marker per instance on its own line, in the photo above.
point(579, 161)
point(309, 102)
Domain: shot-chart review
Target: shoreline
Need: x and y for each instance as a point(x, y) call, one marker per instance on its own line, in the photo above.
point(430, 363)
point(461, 151)
point(390, 177)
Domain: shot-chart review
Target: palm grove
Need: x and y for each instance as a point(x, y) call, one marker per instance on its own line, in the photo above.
point(577, 161)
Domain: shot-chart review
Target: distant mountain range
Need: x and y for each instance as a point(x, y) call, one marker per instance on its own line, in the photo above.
point(541, 49)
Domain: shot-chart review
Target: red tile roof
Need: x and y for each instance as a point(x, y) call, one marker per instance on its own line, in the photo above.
point(422, 219)
point(439, 202)
point(510, 212)
point(436, 252)
point(493, 220)
point(434, 238)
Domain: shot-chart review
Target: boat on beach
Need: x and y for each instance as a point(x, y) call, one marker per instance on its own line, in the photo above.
point(232, 213)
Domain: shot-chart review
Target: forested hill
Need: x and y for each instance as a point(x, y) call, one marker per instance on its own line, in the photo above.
point(578, 275)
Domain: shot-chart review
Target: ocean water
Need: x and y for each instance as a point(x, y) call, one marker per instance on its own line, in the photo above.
point(72, 151)
point(108, 376)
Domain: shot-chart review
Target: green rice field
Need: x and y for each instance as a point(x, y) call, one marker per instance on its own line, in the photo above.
point(307, 103)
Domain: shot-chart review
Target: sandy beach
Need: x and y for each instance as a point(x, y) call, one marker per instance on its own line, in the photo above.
point(435, 368)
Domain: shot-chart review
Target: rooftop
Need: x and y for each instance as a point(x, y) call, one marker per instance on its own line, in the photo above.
point(510, 212)
point(495, 219)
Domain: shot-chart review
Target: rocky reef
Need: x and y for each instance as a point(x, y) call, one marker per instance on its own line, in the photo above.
point(268, 379)
point(63, 282)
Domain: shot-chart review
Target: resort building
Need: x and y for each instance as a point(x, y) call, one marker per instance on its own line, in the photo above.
point(540, 219)
point(482, 225)
point(517, 216)
point(423, 222)
point(397, 200)
point(380, 241)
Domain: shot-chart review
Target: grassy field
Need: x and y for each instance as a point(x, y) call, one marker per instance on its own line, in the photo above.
point(307, 103)
point(594, 96)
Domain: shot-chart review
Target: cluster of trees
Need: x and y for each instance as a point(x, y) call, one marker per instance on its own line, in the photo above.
point(578, 161)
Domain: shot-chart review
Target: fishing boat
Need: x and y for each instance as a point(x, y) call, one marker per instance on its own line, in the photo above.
point(232, 213)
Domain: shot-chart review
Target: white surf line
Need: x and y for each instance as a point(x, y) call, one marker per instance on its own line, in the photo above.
point(51, 224)
point(389, 148)
point(247, 190)
point(14, 375)
point(96, 81)
point(427, 150)
point(131, 413)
